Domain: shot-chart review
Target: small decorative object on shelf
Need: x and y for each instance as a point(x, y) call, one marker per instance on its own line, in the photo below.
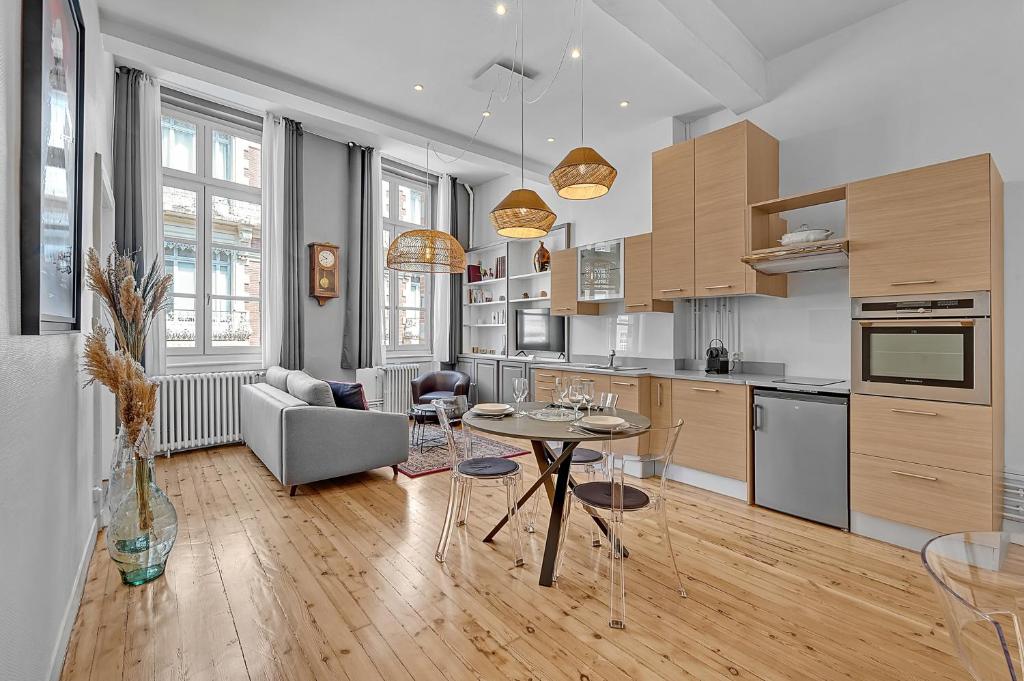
point(473, 273)
point(542, 294)
point(143, 522)
point(542, 259)
point(526, 296)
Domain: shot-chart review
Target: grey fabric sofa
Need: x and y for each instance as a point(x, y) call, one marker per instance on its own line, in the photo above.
point(306, 440)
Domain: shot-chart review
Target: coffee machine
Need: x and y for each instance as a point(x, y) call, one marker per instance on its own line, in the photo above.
point(717, 357)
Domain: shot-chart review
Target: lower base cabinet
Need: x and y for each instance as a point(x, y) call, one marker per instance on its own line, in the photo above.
point(932, 498)
point(510, 371)
point(716, 427)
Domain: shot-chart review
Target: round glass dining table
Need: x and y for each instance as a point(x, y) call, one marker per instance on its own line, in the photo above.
point(554, 465)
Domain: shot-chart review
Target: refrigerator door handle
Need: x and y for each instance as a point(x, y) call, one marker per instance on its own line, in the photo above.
point(758, 412)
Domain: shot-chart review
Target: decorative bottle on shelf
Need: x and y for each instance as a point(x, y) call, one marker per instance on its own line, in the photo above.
point(542, 259)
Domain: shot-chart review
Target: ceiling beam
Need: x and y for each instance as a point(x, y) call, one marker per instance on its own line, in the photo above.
point(214, 74)
point(698, 39)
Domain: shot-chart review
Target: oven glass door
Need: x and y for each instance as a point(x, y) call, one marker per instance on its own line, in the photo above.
point(919, 354)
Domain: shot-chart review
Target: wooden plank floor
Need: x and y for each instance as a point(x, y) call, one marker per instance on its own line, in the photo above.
point(340, 583)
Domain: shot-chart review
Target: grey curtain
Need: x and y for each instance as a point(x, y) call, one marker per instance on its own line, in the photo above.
point(292, 333)
point(361, 308)
point(127, 164)
point(459, 220)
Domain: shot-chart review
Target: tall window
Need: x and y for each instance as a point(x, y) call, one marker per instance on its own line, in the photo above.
point(405, 205)
point(212, 220)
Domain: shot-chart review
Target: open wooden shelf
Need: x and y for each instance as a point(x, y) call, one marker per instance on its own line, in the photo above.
point(812, 256)
point(766, 227)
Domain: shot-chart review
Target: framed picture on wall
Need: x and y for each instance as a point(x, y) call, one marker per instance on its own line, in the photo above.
point(52, 113)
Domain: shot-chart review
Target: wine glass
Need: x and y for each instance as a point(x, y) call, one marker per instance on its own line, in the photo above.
point(520, 389)
point(561, 391)
point(587, 393)
point(576, 397)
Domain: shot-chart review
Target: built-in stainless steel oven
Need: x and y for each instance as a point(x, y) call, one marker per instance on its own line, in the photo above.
point(931, 347)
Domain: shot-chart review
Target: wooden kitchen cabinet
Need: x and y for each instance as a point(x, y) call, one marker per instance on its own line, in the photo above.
point(716, 423)
point(543, 389)
point(661, 412)
point(927, 230)
point(564, 285)
point(672, 225)
point(638, 295)
point(733, 167)
point(929, 497)
point(634, 395)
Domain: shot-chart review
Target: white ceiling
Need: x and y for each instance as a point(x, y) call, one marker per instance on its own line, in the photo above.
point(776, 27)
point(376, 51)
point(371, 53)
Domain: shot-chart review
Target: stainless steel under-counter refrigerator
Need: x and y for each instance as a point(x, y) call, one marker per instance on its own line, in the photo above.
point(801, 455)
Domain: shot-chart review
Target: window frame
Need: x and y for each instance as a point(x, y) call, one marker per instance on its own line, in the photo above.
point(394, 227)
point(204, 355)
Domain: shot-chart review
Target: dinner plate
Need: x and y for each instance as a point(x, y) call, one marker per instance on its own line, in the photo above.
point(492, 409)
point(604, 424)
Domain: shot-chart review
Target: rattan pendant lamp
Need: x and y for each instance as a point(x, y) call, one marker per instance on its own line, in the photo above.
point(583, 173)
point(522, 214)
point(426, 250)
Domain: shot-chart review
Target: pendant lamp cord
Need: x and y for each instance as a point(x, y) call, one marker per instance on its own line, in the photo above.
point(583, 60)
point(522, 97)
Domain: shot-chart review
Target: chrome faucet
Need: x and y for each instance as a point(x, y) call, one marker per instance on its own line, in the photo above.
point(611, 358)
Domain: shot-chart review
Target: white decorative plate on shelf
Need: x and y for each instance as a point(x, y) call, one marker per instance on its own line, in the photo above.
point(604, 424)
point(492, 409)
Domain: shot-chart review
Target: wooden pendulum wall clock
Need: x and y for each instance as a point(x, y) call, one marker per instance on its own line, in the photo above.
point(323, 271)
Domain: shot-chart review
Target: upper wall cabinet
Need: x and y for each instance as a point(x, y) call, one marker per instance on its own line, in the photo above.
point(563, 285)
point(733, 167)
point(672, 221)
point(929, 230)
point(638, 295)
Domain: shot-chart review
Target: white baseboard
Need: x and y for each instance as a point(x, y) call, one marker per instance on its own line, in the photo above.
point(60, 649)
point(709, 481)
point(907, 536)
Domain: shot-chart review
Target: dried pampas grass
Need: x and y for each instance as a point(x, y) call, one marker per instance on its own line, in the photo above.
point(131, 306)
point(123, 376)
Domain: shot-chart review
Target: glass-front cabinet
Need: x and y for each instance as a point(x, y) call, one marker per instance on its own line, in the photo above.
point(600, 271)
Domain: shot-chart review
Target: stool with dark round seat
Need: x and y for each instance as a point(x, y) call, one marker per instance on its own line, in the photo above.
point(465, 473)
point(612, 500)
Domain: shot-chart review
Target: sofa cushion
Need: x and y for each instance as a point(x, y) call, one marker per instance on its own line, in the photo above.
point(278, 377)
point(310, 390)
point(348, 395)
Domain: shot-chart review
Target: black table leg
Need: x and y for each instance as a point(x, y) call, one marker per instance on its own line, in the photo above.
point(547, 568)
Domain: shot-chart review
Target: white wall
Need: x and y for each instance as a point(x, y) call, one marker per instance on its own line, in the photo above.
point(46, 513)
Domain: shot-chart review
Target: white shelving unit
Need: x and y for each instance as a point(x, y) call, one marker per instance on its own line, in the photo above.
point(488, 321)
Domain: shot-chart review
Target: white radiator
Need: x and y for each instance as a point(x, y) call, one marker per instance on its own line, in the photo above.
point(388, 387)
point(200, 410)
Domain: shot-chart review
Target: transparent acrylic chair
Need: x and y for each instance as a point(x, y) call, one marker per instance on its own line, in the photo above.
point(979, 577)
point(615, 499)
point(467, 471)
point(592, 462)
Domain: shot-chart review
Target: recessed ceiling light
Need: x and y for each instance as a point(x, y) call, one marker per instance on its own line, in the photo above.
point(500, 9)
point(417, 87)
point(624, 103)
point(551, 139)
point(486, 114)
point(575, 54)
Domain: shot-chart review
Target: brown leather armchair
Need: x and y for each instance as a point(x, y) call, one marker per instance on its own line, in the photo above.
point(439, 385)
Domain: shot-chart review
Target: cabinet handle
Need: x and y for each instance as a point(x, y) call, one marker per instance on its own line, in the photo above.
point(672, 290)
point(911, 283)
point(563, 308)
point(636, 305)
point(915, 475)
point(711, 288)
point(705, 390)
point(631, 385)
point(659, 394)
point(546, 375)
point(911, 411)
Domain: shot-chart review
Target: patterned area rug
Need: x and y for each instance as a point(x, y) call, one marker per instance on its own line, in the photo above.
point(436, 459)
